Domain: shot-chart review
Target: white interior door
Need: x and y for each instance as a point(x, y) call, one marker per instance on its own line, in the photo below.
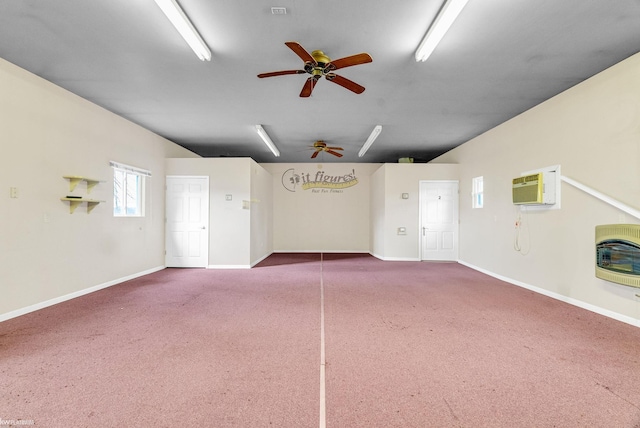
point(187, 221)
point(439, 220)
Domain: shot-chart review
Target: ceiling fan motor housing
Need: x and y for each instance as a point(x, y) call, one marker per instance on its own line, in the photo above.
point(320, 58)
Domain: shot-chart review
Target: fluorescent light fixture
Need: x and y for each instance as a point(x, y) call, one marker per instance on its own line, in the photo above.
point(449, 12)
point(176, 15)
point(265, 137)
point(374, 134)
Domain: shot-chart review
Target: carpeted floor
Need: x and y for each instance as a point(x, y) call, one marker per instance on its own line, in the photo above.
point(406, 344)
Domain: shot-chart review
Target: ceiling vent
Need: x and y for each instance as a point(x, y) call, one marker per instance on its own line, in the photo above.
point(278, 10)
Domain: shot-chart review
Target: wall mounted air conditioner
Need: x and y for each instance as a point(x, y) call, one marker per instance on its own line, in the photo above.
point(535, 189)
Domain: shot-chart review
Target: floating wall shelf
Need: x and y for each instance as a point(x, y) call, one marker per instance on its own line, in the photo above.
point(75, 179)
point(74, 202)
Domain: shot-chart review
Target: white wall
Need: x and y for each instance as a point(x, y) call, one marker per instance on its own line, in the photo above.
point(377, 206)
point(46, 253)
point(593, 131)
point(320, 219)
point(393, 180)
point(261, 206)
point(236, 238)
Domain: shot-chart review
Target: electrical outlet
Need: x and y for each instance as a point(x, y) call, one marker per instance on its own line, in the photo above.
point(13, 192)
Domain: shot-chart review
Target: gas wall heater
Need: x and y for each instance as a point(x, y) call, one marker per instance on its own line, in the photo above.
point(618, 253)
point(534, 189)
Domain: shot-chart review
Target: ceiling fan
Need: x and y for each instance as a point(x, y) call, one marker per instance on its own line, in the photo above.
point(317, 64)
point(321, 146)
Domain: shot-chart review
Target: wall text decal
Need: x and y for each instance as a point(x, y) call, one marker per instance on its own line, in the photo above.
point(320, 182)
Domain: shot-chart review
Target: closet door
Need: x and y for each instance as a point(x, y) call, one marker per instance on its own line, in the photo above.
point(187, 221)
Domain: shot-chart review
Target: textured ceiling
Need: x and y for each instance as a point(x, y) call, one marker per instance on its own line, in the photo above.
point(499, 59)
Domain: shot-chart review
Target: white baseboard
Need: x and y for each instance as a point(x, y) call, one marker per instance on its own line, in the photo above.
point(575, 302)
point(322, 251)
point(229, 267)
point(56, 300)
point(395, 259)
point(260, 259)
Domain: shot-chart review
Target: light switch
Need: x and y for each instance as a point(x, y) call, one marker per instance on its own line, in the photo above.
point(402, 231)
point(228, 197)
point(405, 196)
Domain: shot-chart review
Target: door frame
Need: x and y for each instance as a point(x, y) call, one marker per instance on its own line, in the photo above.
point(422, 185)
point(208, 209)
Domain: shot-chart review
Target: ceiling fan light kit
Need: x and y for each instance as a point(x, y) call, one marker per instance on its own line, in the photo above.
point(267, 140)
point(374, 134)
point(447, 15)
point(179, 19)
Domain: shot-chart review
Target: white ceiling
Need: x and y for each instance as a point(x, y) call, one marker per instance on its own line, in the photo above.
point(500, 58)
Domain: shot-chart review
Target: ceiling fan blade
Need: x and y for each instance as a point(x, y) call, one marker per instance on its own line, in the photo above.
point(361, 58)
point(308, 87)
point(345, 83)
point(281, 73)
point(334, 153)
point(335, 148)
point(301, 52)
point(315, 154)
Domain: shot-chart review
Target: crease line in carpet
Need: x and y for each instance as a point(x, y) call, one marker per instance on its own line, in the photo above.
point(323, 408)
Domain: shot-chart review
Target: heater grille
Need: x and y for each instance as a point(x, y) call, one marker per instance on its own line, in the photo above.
point(618, 253)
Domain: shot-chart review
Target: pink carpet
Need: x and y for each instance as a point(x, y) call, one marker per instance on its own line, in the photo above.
point(407, 345)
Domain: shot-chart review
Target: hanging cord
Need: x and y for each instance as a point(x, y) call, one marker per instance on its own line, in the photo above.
point(521, 226)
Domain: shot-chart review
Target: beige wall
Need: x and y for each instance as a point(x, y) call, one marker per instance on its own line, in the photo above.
point(261, 206)
point(46, 253)
point(320, 219)
point(396, 180)
point(361, 218)
point(377, 205)
point(593, 132)
point(238, 232)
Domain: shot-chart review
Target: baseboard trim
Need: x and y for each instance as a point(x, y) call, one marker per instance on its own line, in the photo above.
point(395, 259)
point(229, 267)
point(575, 302)
point(260, 259)
point(56, 300)
point(321, 251)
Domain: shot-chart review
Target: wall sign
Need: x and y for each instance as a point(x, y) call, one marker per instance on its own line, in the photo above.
point(318, 181)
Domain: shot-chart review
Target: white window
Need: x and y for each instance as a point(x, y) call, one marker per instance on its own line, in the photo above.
point(128, 190)
point(477, 192)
